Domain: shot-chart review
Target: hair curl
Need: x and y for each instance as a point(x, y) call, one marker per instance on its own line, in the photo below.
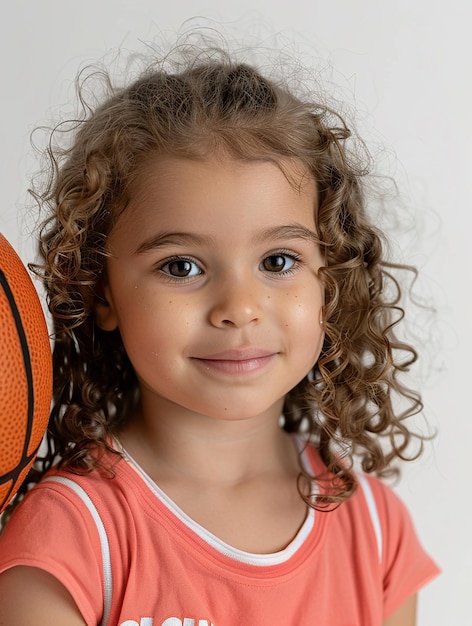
point(213, 104)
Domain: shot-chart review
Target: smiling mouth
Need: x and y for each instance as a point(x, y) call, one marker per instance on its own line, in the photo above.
point(237, 361)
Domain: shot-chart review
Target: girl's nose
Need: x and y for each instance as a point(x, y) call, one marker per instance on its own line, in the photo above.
point(236, 305)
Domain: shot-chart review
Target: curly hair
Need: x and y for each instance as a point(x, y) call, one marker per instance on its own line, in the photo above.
point(346, 406)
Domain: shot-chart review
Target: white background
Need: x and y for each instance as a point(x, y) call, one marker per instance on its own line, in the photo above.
point(406, 67)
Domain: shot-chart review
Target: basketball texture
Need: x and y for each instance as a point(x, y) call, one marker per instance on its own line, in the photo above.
point(25, 372)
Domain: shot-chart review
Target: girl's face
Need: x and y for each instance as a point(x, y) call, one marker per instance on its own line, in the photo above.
point(213, 283)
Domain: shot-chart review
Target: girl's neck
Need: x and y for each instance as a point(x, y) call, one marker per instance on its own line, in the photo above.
point(237, 479)
point(207, 450)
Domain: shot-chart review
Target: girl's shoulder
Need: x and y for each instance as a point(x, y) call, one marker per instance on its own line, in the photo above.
point(52, 531)
point(377, 516)
point(376, 521)
point(62, 527)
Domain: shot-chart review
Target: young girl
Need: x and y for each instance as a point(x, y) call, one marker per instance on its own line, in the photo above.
point(224, 353)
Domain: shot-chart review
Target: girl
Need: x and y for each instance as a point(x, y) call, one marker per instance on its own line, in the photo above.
point(224, 352)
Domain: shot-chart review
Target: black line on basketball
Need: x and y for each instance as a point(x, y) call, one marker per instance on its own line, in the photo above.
point(26, 362)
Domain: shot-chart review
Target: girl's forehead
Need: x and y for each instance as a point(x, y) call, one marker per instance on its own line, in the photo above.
point(175, 193)
point(165, 175)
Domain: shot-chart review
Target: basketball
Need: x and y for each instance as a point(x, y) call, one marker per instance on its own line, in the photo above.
point(25, 372)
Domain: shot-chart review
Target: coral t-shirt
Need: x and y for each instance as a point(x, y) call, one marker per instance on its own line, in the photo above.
point(130, 557)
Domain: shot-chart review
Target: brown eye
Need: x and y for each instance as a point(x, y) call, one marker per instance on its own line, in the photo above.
point(278, 263)
point(180, 268)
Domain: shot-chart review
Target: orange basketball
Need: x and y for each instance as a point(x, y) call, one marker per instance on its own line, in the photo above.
point(25, 372)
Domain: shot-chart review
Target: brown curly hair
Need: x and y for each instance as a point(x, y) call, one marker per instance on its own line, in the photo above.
point(347, 404)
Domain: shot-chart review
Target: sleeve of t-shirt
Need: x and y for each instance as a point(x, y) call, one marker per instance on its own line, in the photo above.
point(53, 531)
point(406, 566)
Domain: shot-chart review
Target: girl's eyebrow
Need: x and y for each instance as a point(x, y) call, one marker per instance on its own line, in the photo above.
point(287, 231)
point(173, 239)
point(275, 233)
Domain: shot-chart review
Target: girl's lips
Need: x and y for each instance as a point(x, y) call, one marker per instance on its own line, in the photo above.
point(241, 361)
point(237, 354)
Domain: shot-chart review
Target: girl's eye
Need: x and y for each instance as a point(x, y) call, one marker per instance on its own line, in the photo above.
point(279, 263)
point(180, 268)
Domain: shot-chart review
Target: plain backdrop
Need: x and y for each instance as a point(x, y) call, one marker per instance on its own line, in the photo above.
point(404, 67)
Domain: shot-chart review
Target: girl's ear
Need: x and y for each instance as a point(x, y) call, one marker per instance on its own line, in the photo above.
point(105, 313)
